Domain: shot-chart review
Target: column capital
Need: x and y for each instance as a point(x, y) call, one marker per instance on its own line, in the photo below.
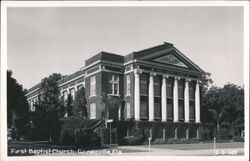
point(138, 71)
point(177, 78)
point(188, 79)
point(153, 74)
point(198, 82)
point(165, 76)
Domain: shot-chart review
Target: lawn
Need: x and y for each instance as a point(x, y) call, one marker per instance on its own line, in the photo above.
point(198, 146)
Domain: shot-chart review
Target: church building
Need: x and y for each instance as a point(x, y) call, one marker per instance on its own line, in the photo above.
point(159, 86)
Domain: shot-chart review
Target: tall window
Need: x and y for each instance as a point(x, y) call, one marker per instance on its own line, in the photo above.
point(181, 110)
point(93, 85)
point(169, 88)
point(180, 89)
point(128, 85)
point(157, 88)
point(143, 85)
point(191, 90)
point(92, 111)
point(128, 110)
point(144, 109)
point(72, 93)
point(170, 110)
point(191, 111)
point(157, 110)
point(114, 84)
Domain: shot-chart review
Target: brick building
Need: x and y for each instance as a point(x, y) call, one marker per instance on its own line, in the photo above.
point(160, 87)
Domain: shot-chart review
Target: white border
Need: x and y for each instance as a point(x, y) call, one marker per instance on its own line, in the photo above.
point(3, 113)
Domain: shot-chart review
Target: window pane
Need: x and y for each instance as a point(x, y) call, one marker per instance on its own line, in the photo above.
point(170, 110)
point(128, 110)
point(157, 88)
point(116, 78)
point(115, 88)
point(181, 110)
point(191, 111)
point(180, 90)
point(191, 90)
point(143, 85)
point(157, 110)
point(144, 109)
point(128, 84)
point(169, 88)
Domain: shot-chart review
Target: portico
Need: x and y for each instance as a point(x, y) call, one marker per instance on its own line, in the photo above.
point(164, 105)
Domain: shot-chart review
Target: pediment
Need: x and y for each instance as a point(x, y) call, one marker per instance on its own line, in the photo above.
point(170, 59)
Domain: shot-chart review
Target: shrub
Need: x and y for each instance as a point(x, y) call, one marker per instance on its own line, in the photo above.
point(86, 138)
point(204, 134)
point(137, 137)
point(68, 129)
point(131, 140)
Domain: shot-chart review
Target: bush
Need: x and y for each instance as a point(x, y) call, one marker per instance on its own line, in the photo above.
point(238, 139)
point(131, 140)
point(68, 129)
point(204, 134)
point(136, 138)
point(87, 138)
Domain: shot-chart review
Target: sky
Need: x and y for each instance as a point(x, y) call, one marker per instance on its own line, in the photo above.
point(42, 41)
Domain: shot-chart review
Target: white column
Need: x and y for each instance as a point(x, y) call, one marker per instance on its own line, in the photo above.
point(186, 102)
point(176, 104)
point(151, 97)
point(197, 103)
point(164, 99)
point(137, 95)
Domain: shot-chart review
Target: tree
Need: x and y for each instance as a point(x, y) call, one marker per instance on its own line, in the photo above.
point(50, 108)
point(225, 104)
point(17, 105)
point(69, 105)
point(109, 103)
point(79, 107)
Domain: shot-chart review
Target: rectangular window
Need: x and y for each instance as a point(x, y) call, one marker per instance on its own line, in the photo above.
point(191, 90)
point(128, 110)
point(128, 85)
point(180, 89)
point(157, 110)
point(144, 109)
point(169, 88)
point(93, 85)
point(143, 85)
point(170, 110)
point(72, 93)
point(114, 84)
point(181, 110)
point(157, 88)
point(191, 110)
point(92, 111)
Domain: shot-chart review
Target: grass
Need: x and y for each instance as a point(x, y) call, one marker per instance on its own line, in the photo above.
point(198, 146)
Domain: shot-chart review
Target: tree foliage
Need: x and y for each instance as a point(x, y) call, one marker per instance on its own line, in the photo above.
point(109, 103)
point(49, 109)
point(79, 107)
point(224, 105)
point(17, 105)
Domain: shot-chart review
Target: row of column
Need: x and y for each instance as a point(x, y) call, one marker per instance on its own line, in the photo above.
point(164, 98)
